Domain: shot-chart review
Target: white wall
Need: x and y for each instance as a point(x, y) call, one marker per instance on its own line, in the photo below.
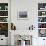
point(32, 7)
point(27, 5)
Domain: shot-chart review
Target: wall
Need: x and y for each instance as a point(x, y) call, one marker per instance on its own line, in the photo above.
point(32, 7)
point(21, 5)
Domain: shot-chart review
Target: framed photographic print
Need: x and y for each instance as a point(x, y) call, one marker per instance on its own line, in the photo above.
point(42, 32)
point(22, 15)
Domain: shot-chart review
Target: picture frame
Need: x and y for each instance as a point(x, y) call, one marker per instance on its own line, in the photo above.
point(22, 15)
point(42, 33)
